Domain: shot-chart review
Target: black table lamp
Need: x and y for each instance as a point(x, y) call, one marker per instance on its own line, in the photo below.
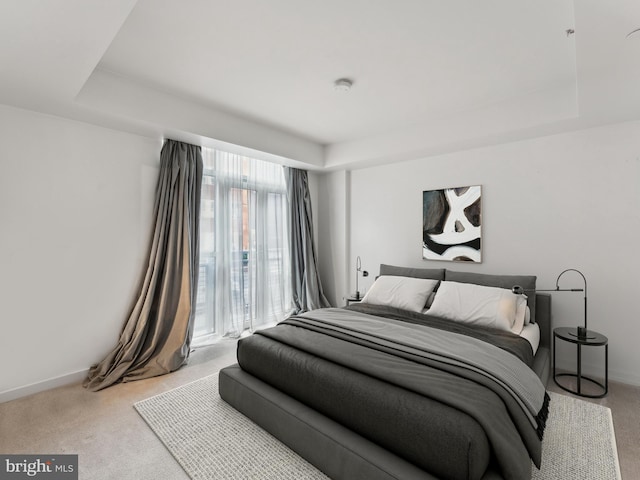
point(581, 332)
point(358, 271)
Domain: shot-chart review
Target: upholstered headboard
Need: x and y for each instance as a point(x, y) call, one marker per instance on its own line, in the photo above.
point(540, 305)
point(430, 273)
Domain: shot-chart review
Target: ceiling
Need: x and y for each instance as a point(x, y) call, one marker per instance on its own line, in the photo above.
point(428, 76)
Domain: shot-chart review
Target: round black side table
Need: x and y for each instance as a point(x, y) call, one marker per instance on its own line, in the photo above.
point(592, 339)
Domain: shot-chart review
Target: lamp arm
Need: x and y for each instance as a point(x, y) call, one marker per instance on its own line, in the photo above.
point(572, 270)
point(518, 290)
point(576, 290)
point(358, 269)
point(582, 332)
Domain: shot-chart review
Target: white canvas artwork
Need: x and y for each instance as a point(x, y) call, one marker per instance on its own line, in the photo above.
point(452, 226)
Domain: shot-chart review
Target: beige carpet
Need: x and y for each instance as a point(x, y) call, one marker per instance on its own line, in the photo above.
point(212, 440)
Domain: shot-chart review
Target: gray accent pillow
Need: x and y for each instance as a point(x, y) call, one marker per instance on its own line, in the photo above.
point(429, 273)
point(528, 282)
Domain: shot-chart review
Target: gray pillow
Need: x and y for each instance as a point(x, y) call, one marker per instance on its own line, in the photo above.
point(528, 282)
point(429, 273)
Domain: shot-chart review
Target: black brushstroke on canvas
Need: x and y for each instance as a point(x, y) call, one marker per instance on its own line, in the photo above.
point(436, 210)
point(440, 248)
point(472, 212)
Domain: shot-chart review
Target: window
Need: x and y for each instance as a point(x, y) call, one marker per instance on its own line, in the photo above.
point(244, 276)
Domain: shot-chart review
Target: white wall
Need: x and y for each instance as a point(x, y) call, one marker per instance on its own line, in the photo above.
point(332, 212)
point(76, 200)
point(564, 201)
point(75, 215)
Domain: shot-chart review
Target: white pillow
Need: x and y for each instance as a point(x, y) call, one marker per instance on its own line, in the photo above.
point(401, 292)
point(476, 304)
point(521, 314)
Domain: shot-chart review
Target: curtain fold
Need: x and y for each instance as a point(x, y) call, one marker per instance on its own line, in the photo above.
point(305, 279)
point(156, 338)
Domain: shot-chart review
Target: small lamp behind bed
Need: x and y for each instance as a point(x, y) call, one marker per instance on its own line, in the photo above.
point(582, 332)
point(358, 271)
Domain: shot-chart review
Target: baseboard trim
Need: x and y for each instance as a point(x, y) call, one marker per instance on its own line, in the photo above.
point(596, 370)
point(626, 377)
point(19, 392)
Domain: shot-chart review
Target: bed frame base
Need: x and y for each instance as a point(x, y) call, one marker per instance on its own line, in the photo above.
point(335, 450)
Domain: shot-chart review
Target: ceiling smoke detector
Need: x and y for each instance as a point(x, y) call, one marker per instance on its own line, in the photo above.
point(342, 85)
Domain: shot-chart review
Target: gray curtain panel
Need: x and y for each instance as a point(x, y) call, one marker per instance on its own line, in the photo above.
point(305, 279)
point(157, 336)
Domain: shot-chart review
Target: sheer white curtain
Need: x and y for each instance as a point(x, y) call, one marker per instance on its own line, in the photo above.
point(244, 280)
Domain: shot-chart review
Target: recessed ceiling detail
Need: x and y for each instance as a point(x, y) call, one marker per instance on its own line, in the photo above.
point(432, 77)
point(415, 61)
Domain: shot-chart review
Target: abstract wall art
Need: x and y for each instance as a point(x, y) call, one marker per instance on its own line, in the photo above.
point(452, 224)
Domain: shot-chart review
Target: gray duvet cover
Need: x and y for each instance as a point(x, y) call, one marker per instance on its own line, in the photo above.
point(434, 393)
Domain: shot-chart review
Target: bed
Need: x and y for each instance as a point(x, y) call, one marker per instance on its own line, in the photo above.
point(391, 390)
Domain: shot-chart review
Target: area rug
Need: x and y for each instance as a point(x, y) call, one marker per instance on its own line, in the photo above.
point(211, 440)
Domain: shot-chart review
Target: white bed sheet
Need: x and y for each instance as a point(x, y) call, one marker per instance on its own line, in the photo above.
point(531, 333)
